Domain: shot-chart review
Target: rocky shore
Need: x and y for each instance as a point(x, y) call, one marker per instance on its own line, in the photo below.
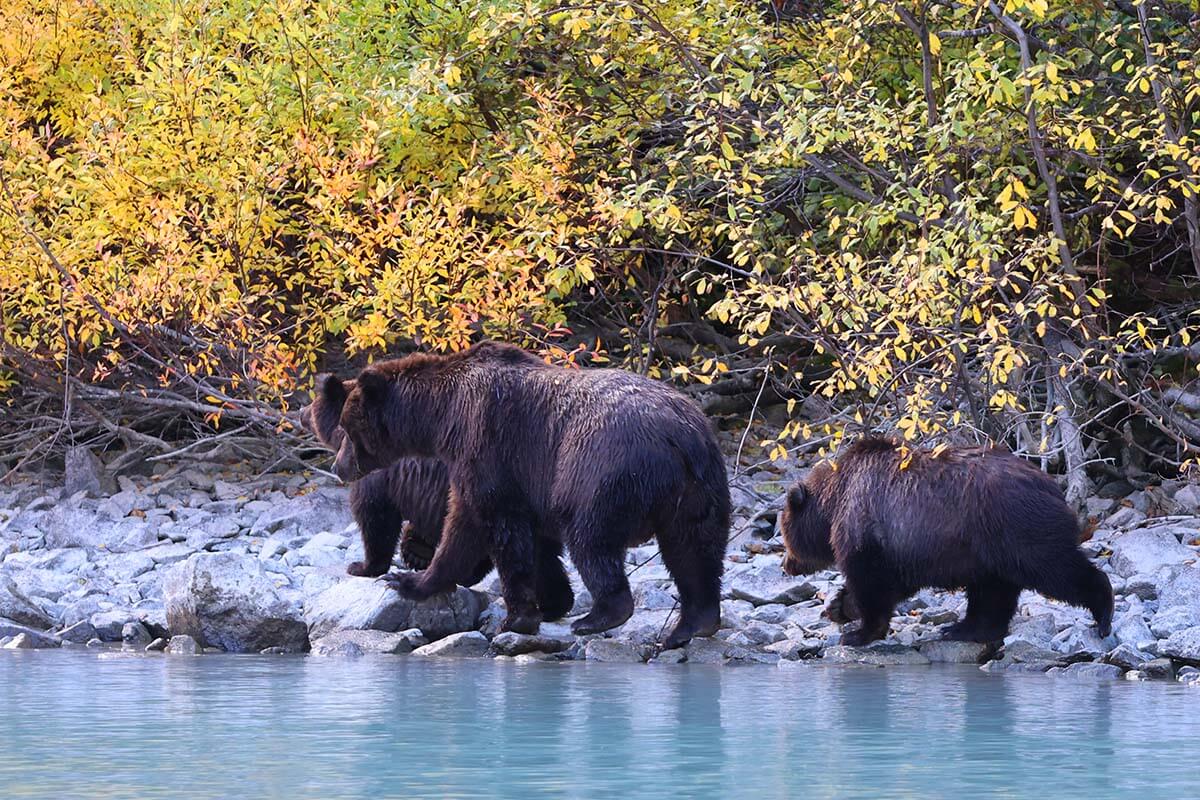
point(192, 560)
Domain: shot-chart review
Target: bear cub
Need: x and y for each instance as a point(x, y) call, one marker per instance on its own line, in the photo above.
point(408, 501)
point(969, 517)
point(411, 490)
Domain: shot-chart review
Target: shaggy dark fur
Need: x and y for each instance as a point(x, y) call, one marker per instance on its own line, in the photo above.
point(408, 501)
point(979, 518)
point(597, 459)
point(412, 490)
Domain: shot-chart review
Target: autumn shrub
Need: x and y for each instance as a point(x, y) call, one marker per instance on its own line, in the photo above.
point(974, 220)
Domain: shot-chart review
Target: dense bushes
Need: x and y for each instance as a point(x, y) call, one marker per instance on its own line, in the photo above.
point(976, 217)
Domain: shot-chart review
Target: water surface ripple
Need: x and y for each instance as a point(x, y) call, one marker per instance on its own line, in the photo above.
point(83, 724)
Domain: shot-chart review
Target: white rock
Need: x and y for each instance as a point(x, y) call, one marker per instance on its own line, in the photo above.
point(183, 645)
point(227, 600)
point(510, 643)
point(1078, 639)
point(34, 638)
point(469, 644)
point(875, 654)
point(16, 605)
point(326, 509)
point(1146, 551)
point(1183, 645)
point(616, 651)
point(1172, 619)
point(765, 583)
point(944, 652)
point(1124, 517)
point(1182, 590)
point(1089, 671)
point(367, 604)
point(85, 472)
point(366, 642)
point(1131, 629)
point(1188, 498)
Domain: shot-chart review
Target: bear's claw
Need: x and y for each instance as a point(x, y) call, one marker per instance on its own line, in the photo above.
point(407, 584)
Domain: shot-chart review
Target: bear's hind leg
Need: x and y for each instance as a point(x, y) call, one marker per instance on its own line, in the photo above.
point(991, 604)
point(696, 563)
point(1071, 578)
point(514, 554)
point(603, 572)
point(555, 597)
point(875, 592)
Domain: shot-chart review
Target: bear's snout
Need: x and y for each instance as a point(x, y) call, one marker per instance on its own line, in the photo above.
point(346, 466)
point(791, 566)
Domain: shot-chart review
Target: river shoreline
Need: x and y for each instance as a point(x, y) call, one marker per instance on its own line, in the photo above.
point(194, 560)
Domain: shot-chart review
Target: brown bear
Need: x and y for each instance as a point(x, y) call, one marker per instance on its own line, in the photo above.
point(597, 459)
point(958, 517)
point(407, 501)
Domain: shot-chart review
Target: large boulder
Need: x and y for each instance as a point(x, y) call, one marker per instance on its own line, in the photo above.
point(1130, 628)
point(72, 524)
point(1145, 552)
point(469, 644)
point(946, 652)
point(362, 642)
point(227, 600)
point(877, 654)
point(1182, 590)
point(85, 472)
point(326, 509)
point(42, 584)
point(1183, 645)
point(16, 605)
point(616, 651)
point(367, 604)
point(35, 638)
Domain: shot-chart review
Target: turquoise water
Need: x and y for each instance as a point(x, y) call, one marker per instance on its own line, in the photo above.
point(81, 724)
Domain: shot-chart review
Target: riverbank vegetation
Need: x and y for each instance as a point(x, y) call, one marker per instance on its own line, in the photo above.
point(974, 218)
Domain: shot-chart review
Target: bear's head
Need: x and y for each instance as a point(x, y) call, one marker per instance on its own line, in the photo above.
point(322, 417)
point(390, 413)
point(805, 530)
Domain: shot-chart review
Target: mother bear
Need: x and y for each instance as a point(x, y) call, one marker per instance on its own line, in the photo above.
point(598, 459)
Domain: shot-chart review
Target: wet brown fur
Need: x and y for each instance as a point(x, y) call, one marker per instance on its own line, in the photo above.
point(969, 517)
point(596, 459)
point(413, 491)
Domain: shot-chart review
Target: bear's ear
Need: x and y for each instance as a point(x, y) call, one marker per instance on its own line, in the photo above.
point(373, 383)
point(797, 496)
point(333, 391)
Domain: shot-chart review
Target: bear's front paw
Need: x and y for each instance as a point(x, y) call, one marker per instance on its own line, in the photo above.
point(408, 584)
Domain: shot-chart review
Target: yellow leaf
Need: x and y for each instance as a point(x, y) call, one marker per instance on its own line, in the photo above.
point(1023, 218)
point(935, 44)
